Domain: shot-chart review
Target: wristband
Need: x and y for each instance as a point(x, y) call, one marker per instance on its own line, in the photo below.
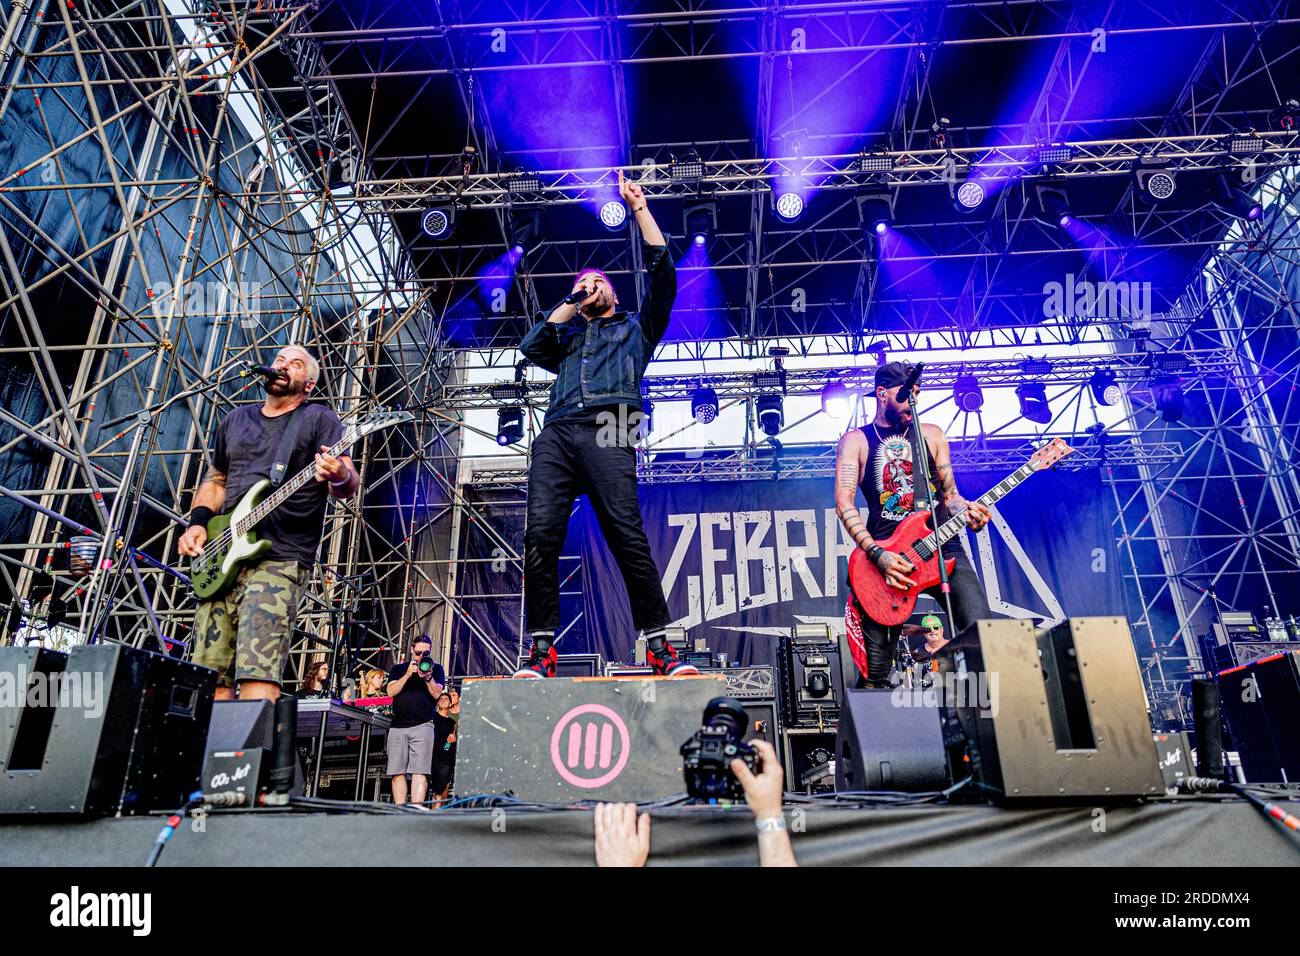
point(770, 825)
point(874, 552)
point(201, 516)
point(342, 481)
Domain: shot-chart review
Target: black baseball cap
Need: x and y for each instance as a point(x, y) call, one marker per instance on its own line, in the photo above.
point(892, 374)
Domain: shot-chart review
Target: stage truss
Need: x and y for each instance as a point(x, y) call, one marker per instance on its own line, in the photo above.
point(192, 189)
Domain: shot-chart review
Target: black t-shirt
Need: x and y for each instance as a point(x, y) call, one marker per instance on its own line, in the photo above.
point(442, 729)
point(414, 705)
point(245, 451)
point(887, 483)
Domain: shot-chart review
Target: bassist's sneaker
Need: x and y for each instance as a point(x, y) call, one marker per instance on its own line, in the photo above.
point(663, 658)
point(540, 663)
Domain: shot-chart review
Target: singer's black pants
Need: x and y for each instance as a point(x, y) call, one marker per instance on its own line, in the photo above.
point(570, 458)
point(878, 643)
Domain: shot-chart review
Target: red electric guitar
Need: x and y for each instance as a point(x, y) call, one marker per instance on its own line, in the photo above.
point(916, 541)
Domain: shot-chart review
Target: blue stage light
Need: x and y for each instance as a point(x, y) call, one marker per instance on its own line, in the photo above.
point(437, 221)
point(789, 206)
point(969, 196)
point(613, 214)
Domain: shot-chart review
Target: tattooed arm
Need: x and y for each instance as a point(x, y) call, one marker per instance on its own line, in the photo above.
point(977, 516)
point(850, 462)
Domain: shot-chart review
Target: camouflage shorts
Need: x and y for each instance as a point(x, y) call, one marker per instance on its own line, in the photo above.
point(243, 634)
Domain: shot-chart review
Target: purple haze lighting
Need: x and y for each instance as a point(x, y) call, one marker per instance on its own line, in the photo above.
point(882, 228)
point(699, 238)
point(518, 250)
point(1065, 220)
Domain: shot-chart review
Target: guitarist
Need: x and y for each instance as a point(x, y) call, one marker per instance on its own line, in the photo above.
point(877, 458)
point(243, 633)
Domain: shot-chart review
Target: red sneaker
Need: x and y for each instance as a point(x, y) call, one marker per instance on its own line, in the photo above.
point(666, 662)
point(541, 663)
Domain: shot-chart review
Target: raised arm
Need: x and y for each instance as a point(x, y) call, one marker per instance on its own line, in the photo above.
point(662, 292)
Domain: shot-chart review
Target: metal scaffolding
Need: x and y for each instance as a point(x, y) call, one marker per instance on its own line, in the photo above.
point(187, 186)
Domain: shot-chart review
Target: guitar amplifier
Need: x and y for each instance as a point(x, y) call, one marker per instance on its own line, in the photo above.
point(812, 676)
point(1261, 707)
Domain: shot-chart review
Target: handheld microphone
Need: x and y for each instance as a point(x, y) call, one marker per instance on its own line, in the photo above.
point(914, 376)
point(573, 298)
point(265, 371)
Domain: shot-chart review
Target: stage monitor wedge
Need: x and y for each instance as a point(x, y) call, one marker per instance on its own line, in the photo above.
point(1054, 715)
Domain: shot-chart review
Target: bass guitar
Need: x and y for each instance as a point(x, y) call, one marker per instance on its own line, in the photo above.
point(233, 542)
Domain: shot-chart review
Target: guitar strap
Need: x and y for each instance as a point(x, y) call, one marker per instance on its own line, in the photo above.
point(288, 442)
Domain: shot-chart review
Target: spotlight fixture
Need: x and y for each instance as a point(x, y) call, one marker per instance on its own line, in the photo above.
point(878, 349)
point(875, 161)
point(1035, 367)
point(939, 133)
point(771, 414)
point(968, 195)
point(875, 211)
point(688, 169)
point(1053, 205)
point(835, 399)
point(1169, 363)
point(1153, 178)
point(1167, 393)
point(613, 214)
point(1033, 402)
point(508, 391)
point(704, 405)
point(770, 379)
point(967, 394)
point(438, 221)
point(700, 220)
point(1245, 144)
point(1231, 199)
point(510, 425)
point(789, 206)
point(525, 225)
point(522, 183)
point(1053, 155)
point(1105, 387)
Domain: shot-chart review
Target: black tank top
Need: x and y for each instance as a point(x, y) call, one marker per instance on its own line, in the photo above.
point(887, 482)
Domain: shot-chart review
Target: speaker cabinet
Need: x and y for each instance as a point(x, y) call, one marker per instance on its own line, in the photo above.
point(1057, 714)
point(1261, 707)
point(885, 743)
point(104, 729)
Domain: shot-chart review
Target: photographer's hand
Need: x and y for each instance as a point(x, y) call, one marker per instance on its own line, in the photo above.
point(763, 792)
point(622, 838)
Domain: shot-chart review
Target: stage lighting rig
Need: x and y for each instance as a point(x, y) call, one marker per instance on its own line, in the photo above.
point(836, 402)
point(1053, 204)
point(704, 405)
point(1167, 393)
point(878, 349)
point(1248, 143)
point(523, 183)
point(613, 214)
point(700, 220)
point(939, 133)
point(875, 211)
point(789, 205)
point(510, 425)
point(1284, 117)
point(1231, 199)
point(967, 394)
point(688, 169)
point(1105, 387)
point(968, 194)
point(1053, 155)
point(438, 221)
point(525, 228)
point(1153, 178)
point(873, 161)
point(1033, 402)
point(771, 414)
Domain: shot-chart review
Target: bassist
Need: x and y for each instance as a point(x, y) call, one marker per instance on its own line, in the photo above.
point(877, 458)
point(243, 633)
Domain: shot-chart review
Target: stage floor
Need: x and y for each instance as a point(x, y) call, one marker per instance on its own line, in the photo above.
point(1180, 832)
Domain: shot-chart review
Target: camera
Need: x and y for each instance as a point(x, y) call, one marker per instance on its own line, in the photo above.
point(425, 664)
point(707, 756)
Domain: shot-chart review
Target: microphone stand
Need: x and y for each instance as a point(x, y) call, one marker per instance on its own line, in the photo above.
point(921, 485)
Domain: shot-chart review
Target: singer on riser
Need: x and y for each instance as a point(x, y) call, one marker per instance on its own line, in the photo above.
point(244, 633)
point(877, 458)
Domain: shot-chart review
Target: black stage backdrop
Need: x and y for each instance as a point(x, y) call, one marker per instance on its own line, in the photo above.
point(742, 561)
